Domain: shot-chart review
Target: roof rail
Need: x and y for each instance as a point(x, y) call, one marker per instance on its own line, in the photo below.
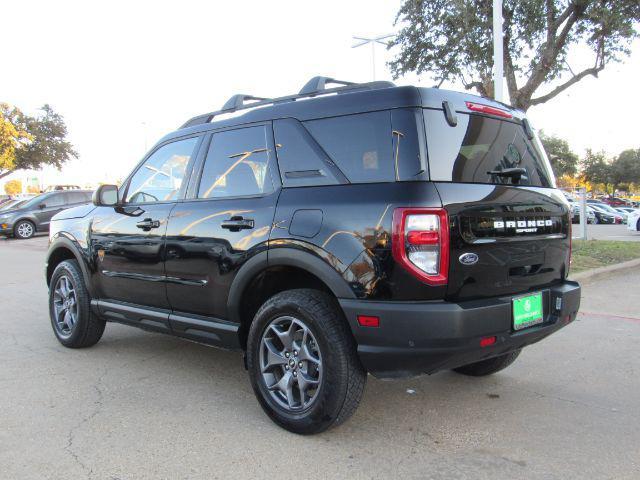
point(238, 101)
point(315, 86)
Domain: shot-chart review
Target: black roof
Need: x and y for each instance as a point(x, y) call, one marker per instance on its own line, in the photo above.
point(316, 101)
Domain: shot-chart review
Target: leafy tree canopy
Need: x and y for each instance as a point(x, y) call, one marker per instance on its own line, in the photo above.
point(31, 142)
point(563, 160)
point(453, 40)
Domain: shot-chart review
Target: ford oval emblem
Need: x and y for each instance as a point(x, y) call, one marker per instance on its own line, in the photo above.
point(468, 258)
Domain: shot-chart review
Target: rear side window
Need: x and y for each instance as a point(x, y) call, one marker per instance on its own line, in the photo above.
point(302, 162)
point(360, 145)
point(478, 145)
point(77, 197)
point(237, 164)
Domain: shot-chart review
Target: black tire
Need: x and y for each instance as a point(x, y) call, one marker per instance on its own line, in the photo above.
point(638, 226)
point(87, 328)
point(24, 229)
point(489, 366)
point(343, 378)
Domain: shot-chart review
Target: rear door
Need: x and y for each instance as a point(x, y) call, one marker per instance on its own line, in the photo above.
point(225, 222)
point(517, 229)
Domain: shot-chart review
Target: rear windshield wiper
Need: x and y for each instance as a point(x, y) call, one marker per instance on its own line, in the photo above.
point(516, 172)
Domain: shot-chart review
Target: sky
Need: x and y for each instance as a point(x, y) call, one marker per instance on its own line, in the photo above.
point(124, 73)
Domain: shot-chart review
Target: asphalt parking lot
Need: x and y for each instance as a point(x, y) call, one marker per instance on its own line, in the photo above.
point(143, 405)
point(608, 232)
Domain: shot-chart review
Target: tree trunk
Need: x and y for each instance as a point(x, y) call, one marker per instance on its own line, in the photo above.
point(4, 174)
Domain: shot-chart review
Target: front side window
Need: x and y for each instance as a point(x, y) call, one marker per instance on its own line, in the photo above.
point(237, 164)
point(160, 177)
point(54, 200)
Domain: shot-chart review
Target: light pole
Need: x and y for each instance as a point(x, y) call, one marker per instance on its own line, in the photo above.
point(498, 69)
point(372, 41)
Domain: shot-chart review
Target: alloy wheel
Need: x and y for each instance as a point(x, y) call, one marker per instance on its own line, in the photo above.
point(65, 306)
point(25, 230)
point(290, 363)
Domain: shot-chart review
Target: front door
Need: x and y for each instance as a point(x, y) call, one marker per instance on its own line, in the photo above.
point(227, 222)
point(127, 241)
point(49, 206)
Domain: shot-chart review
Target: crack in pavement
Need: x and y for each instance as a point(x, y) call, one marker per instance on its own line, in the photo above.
point(72, 431)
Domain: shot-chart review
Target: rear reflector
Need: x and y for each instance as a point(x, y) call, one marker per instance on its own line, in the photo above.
point(368, 321)
point(488, 341)
point(478, 107)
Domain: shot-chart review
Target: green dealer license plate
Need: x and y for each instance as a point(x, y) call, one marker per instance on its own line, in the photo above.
point(527, 311)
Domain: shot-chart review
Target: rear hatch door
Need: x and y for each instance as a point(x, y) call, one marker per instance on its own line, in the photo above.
point(509, 233)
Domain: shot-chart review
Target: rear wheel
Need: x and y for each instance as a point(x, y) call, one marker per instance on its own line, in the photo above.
point(24, 229)
point(73, 322)
point(489, 366)
point(302, 362)
point(638, 225)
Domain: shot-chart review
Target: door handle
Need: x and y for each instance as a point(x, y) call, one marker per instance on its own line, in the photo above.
point(235, 224)
point(147, 224)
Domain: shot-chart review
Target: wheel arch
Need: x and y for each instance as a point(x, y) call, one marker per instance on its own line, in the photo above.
point(61, 249)
point(277, 270)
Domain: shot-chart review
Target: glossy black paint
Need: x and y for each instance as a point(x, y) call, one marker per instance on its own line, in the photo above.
point(198, 268)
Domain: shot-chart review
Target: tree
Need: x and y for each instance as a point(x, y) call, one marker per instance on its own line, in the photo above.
point(454, 41)
point(625, 168)
point(563, 160)
point(30, 142)
point(13, 187)
point(596, 168)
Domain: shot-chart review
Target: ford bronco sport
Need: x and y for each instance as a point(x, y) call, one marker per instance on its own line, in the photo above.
point(346, 230)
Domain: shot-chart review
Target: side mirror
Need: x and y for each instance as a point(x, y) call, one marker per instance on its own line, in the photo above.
point(105, 196)
point(42, 206)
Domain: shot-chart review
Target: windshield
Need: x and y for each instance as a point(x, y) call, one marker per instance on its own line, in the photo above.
point(33, 201)
point(479, 147)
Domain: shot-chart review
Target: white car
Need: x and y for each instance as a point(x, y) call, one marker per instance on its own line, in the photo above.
point(633, 221)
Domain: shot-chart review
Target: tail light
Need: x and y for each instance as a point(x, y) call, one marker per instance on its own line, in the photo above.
point(479, 107)
point(421, 243)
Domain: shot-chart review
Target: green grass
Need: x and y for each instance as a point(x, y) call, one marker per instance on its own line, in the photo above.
point(589, 254)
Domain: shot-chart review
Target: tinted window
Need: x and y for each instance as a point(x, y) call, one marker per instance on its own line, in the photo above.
point(55, 200)
point(301, 161)
point(360, 145)
point(478, 145)
point(237, 164)
point(160, 177)
point(78, 197)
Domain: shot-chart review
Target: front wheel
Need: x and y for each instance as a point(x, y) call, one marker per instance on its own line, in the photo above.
point(24, 229)
point(73, 322)
point(302, 362)
point(489, 366)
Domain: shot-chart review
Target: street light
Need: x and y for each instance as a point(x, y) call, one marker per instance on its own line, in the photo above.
point(372, 41)
point(498, 69)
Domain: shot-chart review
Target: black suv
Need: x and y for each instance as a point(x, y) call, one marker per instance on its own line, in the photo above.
point(34, 215)
point(346, 230)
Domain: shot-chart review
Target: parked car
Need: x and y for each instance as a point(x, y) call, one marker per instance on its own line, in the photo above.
point(11, 204)
point(591, 216)
point(615, 201)
point(604, 215)
point(35, 214)
point(622, 213)
point(370, 228)
point(52, 188)
point(633, 222)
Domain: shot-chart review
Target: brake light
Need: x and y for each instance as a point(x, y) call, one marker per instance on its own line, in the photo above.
point(478, 107)
point(421, 243)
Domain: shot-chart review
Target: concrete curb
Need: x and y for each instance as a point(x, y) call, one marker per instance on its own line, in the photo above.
point(601, 271)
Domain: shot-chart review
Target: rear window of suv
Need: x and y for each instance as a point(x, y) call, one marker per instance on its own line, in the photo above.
point(477, 145)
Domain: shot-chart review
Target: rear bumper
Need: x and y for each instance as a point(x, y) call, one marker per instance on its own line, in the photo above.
point(424, 337)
